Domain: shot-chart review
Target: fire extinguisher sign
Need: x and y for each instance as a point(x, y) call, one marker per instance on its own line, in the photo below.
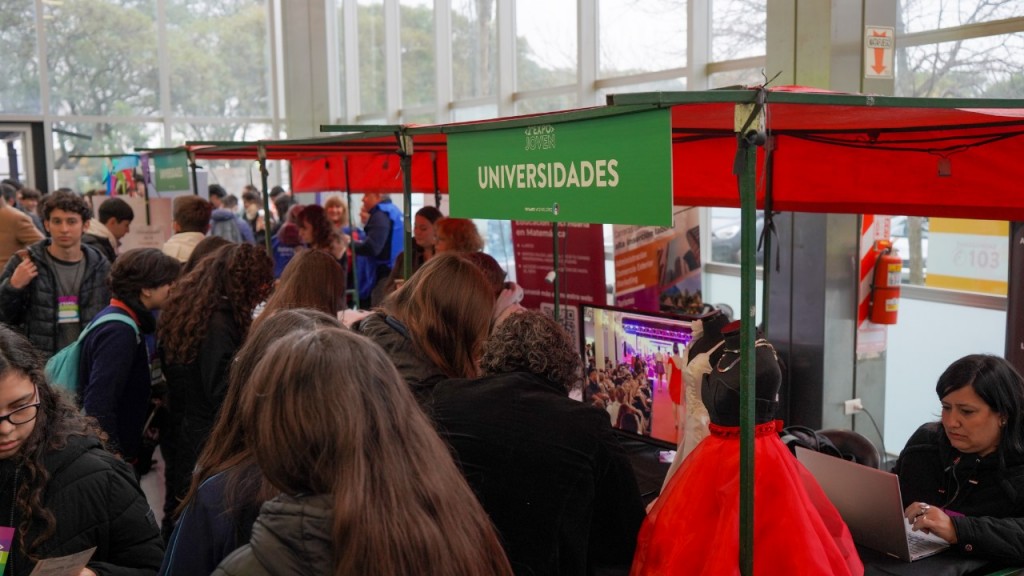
point(871, 337)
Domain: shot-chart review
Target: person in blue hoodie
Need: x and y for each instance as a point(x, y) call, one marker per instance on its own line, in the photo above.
point(114, 370)
point(383, 241)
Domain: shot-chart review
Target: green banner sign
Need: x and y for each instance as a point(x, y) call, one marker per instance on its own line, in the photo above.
point(172, 173)
point(610, 170)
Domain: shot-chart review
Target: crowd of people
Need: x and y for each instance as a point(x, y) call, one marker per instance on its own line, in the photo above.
point(434, 432)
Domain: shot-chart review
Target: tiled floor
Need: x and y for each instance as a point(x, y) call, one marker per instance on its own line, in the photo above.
point(153, 486)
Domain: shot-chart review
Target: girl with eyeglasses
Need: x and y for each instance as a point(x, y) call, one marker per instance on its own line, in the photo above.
point(60, 490)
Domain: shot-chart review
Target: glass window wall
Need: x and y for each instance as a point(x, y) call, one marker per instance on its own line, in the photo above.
point(219, 58)
point(372, 61)
point(474, 48)
point(546, 47)
point(738, 29)
point(102, 57)
point(19, 66)
point(636, 37)
point(419, 62)
point(922, 15)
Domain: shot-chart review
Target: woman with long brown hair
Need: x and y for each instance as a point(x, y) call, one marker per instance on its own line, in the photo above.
point(424, 237)
point(201, 327)
point(313, 279)
point(314, 227)
point(367, 486)
point(59, 488)
point(228, 488)
point(434, 326)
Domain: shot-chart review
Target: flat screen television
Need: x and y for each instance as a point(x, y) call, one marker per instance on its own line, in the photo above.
point(630, 350)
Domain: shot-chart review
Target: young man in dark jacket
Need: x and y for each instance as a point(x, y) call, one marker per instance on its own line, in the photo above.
point(53, 290)
point(114, 371)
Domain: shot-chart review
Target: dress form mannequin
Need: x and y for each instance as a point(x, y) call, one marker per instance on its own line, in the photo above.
point(720, 388)
point(693, 527)
point(711, 335)
point(707, 338)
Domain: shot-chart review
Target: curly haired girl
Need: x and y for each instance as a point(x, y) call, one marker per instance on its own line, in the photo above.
point(201, 327)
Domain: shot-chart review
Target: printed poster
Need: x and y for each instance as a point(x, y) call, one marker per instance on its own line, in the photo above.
point(580, 263)
point(657, 268)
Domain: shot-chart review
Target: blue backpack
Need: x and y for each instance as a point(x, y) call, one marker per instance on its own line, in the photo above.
point(62, 369)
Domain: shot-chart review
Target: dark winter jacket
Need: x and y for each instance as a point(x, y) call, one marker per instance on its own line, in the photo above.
point(291, 537)
point(114, 382)
point(33, 309)
point(208, 531)
point(97, 502)
point(230, 226)
point(990, 498)
point(196, 391)
point(418, 371)
point(102, 244)
point(547, 469)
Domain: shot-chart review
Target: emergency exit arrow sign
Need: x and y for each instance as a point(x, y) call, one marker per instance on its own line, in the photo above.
point(878, 48)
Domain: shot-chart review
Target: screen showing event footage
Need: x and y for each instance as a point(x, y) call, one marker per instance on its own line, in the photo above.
point(635, 355)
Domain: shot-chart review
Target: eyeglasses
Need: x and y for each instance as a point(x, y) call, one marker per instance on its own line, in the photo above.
point(23, 415)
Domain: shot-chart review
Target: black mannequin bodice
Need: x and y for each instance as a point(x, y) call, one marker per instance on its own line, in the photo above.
point(720, 390)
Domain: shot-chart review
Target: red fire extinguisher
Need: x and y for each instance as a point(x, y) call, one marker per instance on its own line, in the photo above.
point(885, 290)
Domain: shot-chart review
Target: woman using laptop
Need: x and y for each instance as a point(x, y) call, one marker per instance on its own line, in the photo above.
point(962, 478)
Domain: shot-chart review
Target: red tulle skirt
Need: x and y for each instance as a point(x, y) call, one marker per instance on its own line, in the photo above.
point(693, 528)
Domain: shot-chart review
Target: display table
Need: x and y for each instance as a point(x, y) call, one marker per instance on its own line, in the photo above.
point(942, 564)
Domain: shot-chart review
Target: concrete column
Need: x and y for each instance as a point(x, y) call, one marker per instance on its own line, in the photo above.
point(813, 297)
point(305, 49)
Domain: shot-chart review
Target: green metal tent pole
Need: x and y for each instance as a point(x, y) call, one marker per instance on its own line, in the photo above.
point(192, 165)
point(554, 249)
point(145, 188)
point(748, 137)
point(766, 233)
point(261, 153)
point(352, 230)
point(748, 295)
point(405, 151)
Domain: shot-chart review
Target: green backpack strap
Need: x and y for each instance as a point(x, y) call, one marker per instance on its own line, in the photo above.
point(62, 368)
point(112, 317)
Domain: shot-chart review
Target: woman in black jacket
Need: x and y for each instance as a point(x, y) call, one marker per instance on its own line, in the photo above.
point(60, 489)
point(962, 478)
point(201, 327)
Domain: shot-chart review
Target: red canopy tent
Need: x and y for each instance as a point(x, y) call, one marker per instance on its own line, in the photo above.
point(833, 152)
point(846, 153)
point(362, 161)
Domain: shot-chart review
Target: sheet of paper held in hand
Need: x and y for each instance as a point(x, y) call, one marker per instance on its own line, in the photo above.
point(70, 565)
